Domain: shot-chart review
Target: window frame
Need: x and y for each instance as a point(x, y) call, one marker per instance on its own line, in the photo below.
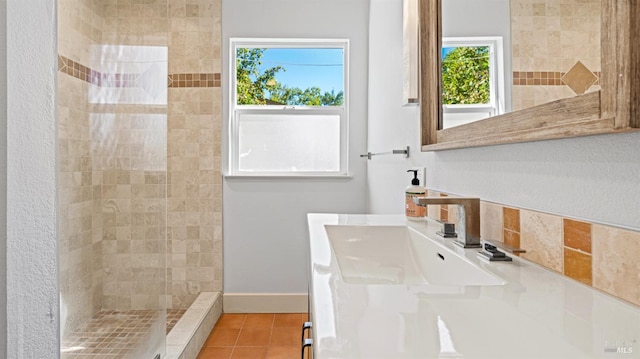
point(235, 110)
point(496, 105)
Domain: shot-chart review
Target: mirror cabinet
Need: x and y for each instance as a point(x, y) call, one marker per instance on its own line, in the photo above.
point(606, 100)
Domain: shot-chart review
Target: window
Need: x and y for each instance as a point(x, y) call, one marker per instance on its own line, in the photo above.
point(472, 79)
point(288, 107)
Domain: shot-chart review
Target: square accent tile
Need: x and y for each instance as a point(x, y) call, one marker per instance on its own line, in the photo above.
point(579, 78)
point(511, 219)
point(577, 235)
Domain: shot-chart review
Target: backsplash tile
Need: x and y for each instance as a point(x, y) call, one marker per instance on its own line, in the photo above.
point(511, 219)
point(616, 262)
point(444, 210)
point(492, 227)
point(577, 235)
point(511, 227)
point(604, 257)
point(577, 265)
point(541, 236)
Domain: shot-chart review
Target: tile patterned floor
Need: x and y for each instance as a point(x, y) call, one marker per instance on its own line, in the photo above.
point(173, 315)
point(113, 334)
point(255, 336)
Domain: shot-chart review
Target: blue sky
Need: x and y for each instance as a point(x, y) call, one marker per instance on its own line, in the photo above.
point(307, 67)
point(446, 51)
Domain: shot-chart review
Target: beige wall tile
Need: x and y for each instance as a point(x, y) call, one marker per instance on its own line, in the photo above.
point(616, 262)
point(541, 237)
point(552, 36)
point(112, 193)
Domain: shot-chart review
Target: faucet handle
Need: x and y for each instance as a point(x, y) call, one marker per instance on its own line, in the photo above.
point(503, 246)
point(492, 254)
point(448, 230)
point(493, 250)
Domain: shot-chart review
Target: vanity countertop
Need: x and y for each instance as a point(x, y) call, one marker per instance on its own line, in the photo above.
point(536, 313)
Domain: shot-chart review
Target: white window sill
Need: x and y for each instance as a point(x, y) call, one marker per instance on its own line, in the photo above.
point(286, 176)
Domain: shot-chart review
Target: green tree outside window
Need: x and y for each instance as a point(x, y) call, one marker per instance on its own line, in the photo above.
point(465, 76)
point(260, 88)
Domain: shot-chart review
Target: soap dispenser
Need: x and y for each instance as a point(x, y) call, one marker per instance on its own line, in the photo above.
point(412, 210)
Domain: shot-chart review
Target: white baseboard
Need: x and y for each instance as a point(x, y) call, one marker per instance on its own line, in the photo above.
point(264, 303)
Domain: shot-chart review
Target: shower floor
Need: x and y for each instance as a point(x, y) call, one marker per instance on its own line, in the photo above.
point(113, 334)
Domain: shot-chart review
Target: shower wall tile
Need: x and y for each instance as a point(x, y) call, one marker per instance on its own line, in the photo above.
point(131, 23)
point(79, 222)
point(194, 192)
point(549, 36)
point(119, 162)
point(194, 150)
point(604, 257)
point(529, 96)
point(555, 35)
point(80, 25)
point(195, 36)
point(131, 150)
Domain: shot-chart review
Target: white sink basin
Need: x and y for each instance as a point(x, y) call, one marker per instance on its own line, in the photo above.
point(370, 254)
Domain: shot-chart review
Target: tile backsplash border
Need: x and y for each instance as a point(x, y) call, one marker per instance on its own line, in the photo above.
point(604, 257)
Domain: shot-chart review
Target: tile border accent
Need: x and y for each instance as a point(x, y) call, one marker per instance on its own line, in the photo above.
point(543, 78)
point(579, 258)
point(194, 80)
point(89, 75)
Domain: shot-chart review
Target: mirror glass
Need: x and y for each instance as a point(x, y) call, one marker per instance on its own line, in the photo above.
point(500, 56)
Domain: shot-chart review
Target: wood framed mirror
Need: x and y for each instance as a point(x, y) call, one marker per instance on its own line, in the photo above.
point(615, 107)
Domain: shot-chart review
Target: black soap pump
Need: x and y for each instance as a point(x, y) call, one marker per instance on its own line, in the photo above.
point(412, 210)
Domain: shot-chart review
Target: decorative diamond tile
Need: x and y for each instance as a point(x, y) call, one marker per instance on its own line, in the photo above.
point(579, 78)
point(61, 63)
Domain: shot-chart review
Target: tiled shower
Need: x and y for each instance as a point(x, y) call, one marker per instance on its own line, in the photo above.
point(557, 50)
point(138, 111)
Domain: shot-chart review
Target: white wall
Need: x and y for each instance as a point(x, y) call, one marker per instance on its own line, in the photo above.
point(265, 231)
point(591, 178)
point(3, 178)
point(391, 125)
point(32, 291)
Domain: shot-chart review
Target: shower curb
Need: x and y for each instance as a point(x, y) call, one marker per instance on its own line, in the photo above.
point(187, 337)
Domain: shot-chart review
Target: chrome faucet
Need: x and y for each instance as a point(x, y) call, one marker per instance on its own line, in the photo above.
point(468, 217)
